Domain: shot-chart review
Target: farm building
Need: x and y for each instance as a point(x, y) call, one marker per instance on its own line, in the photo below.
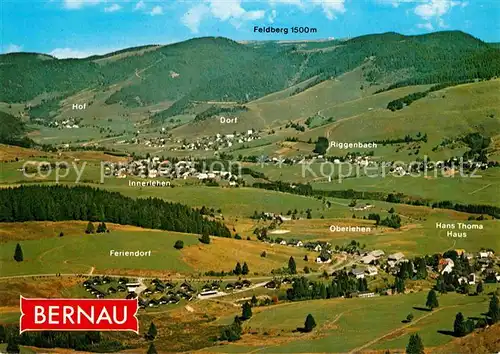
point(396, 257)
point(368, 259)
point(371, 271)
point(376, 253)
point(358, 273)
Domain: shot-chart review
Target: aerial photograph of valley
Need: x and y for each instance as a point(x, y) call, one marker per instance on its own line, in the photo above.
point(273, 176)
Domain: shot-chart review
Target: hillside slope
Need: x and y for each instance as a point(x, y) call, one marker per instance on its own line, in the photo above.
point(219, 69)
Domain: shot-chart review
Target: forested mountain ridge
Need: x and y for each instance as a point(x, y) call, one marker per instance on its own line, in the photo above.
point(219, 69)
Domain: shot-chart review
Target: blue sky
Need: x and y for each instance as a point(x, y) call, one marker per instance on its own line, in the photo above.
point(78, 28)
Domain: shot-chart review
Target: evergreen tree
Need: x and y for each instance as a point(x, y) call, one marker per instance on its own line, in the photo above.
point(12, 346)
point(101, 228)
point(399, 285)
point(321, 146)
point(244, 269)
point(421, 268)
point(18, 253)
point(322, 291)
point(415, 345)
point(254, 300)
point(292, 267)
point(440, 284)
point(90, 228)
point(469, 325)
point(432, 300)
point(205, 238)
point(309, 324)
point(152, 349)
point(152, 332)
point(232, 332)
point(459, 328)
point(334, 290)
point(61, 234)
point(479, 288)
point(246, 311)
point(237, 270)
point(2, 334)
point(494, 310)
point(179, 244)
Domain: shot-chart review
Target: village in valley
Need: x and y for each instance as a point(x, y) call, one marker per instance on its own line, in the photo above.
point(271, 183)
point(356, 262)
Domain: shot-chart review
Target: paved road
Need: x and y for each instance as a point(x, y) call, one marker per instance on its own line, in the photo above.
point(62, 275)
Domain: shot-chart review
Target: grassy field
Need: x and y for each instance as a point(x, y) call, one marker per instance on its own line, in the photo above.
point(481, 190)
point(239, 202)
point(415, 237)
point(23, 350)
point(344, 325)
point(224, 253)
point(477, 190)
point(358, 115)
point(76, 252)
point(279, 108)
point(451, 112)
point(418, 234)
point(36, 287)
point(350, 324)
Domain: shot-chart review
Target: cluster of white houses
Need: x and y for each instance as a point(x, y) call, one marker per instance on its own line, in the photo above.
point(64, 124)
point(218, 141)
point(155, 167)
point(373, 260)
point(207, 143)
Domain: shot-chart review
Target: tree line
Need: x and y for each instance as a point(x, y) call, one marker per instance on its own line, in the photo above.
point(406, 139)
point(58, 203)
point(399, 198)
point(81, 341)
point(399, 103)
point(342, 285)
point(478, 144)
point(217, 110)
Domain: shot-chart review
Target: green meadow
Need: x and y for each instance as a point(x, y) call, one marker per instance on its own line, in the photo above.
point(467, 190)
point(447, 113)
point(354, 324)
point(78, 254)
point(482, 187)
point(240, 201)
point(23, 350)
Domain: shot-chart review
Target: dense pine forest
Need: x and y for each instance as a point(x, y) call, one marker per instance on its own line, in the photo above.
point(219, 69)
point(81, 341)
point(57, 203)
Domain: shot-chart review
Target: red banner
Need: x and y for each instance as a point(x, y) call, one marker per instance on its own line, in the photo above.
point(78, 315)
